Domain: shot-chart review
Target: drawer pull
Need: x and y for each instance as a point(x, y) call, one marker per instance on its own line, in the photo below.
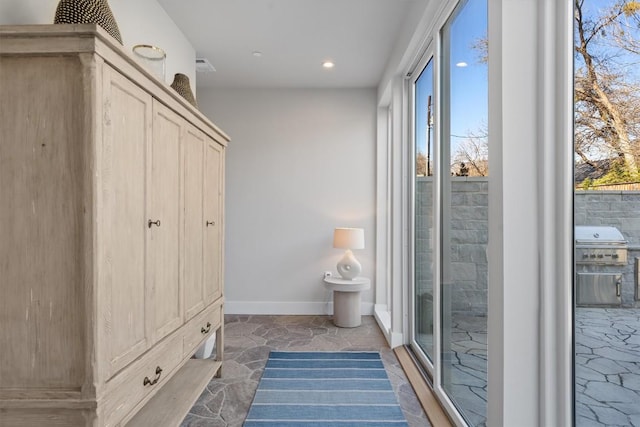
point(206, 331)
point(156, 223)
point(211, 223)
point(147, 381)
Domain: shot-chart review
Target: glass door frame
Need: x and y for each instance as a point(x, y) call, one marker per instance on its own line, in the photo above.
point(431, 52)
point(531, 83)
point(430, 365)
point(433, 366)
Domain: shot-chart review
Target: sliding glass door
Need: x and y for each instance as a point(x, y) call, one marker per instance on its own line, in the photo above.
point(450, 211)
point(464, 210)
point(423, 211)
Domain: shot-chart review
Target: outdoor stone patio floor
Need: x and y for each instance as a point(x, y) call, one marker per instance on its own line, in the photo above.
point(467, 368)
point(607, 367)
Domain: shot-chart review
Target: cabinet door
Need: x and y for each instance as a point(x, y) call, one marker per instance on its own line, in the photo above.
point(213, 231)
point(194, 225)
point(163, 223)
point(121, 217)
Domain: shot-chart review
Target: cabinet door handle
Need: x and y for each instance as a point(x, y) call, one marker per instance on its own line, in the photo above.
point(211, 223)
point(206, 331)
point(147, 381)
point(156, 223)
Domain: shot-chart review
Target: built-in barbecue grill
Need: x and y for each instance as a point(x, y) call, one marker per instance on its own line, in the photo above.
point(601, 253)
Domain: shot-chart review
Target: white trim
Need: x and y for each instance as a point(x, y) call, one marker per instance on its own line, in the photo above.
point(555, 196)
point(495, 324)
point(399, 208)
point(531, 116)
point(411, 200)
point(405, 212)
point(428, 56)
point(383, 318)
point(383, 249)
point(437, 218)
point(287, 308)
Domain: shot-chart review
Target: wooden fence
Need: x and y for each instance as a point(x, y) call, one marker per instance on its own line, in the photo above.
point(627, 186)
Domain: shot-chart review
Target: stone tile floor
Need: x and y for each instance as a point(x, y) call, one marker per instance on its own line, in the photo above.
point(248, 339)
point(607, 367)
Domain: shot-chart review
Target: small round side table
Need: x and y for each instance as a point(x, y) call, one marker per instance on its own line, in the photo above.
point(346, 299)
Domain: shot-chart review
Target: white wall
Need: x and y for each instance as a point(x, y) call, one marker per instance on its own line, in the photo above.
point(514, 287)
point(139, 22)
point(300, 162)
point(411, 41)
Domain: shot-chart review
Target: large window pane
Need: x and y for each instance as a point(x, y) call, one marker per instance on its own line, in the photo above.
point(465, 210)
point(607, 212)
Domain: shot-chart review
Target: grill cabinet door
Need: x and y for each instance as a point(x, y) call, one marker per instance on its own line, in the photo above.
point(595, 289)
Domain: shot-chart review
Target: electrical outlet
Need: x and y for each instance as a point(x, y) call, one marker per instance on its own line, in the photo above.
point(327, 274)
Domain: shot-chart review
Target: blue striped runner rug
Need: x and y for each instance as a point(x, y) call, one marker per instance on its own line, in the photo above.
point(325, 389)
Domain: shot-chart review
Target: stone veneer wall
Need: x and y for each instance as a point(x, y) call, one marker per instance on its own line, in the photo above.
point(423, 264)
point(620, 209)
point(469, 238)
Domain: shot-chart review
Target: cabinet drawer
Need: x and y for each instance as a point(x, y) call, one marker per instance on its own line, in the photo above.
point(141, 379)
point(200, 328)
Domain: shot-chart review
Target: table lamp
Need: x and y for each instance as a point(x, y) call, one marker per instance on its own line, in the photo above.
point(348, 238)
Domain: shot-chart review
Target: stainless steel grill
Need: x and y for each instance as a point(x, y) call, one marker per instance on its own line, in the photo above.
point(600, 245)
point(601, 253)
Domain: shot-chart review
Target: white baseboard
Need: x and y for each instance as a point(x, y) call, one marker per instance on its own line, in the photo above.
point(383, 317)
point(286, 308)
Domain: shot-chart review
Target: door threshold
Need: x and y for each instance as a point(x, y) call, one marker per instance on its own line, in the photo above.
point(428, 400)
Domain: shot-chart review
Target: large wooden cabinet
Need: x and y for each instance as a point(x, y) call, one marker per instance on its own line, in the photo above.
point(111, 235)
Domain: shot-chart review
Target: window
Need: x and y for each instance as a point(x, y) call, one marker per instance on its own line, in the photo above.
point(607, 212)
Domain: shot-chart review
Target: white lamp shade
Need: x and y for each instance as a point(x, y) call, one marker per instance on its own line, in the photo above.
point(348, 238)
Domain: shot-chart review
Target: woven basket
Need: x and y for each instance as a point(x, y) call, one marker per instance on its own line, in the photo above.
point(87, 12)
point(181, 85)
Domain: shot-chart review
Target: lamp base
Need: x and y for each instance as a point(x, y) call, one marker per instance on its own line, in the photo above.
point(349, 267)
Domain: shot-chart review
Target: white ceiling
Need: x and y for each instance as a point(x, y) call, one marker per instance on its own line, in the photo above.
point(294, 36)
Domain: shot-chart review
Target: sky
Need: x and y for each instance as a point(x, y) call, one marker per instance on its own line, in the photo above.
point(469, 83)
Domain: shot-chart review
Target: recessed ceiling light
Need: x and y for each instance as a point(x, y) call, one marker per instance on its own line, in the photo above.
point(256, 53)
point(328, 64)
point(461, 64)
